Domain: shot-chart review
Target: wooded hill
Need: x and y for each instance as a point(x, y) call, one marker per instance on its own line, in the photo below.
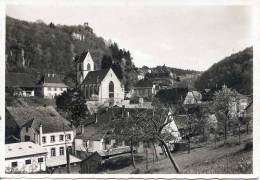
point(236, 71)
point(40, 47)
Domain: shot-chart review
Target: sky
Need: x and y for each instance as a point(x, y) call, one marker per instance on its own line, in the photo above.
point(182, 36)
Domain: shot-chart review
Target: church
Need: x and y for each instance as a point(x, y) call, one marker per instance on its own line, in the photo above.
point(98, 85)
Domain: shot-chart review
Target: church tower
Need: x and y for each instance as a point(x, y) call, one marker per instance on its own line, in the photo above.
point(84, 64)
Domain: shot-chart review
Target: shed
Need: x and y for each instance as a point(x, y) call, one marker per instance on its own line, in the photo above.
point(91, 164)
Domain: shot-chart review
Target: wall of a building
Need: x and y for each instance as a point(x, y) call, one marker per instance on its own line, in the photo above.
point(104, 87)
point(57, 144)
point(51, 92)
point(34, 136)
point(35, 166)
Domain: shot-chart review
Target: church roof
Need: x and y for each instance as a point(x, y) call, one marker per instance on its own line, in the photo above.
point(81, 57)
point(95, 77)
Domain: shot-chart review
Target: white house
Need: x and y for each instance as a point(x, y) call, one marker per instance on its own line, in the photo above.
point(46, 127)
point(193, 97)
point(25, 157)
point(98, 85)
point(51, 85)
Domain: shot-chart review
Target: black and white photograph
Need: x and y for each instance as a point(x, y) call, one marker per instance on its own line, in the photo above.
point(128, 88)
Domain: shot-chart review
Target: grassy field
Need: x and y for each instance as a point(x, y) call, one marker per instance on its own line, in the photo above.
point(212, 158)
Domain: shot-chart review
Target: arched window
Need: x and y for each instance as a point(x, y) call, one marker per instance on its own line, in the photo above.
point(111, 89)
point(88, 67)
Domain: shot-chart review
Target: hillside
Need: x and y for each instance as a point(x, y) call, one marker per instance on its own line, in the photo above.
point(39, 47)
point(236, 71)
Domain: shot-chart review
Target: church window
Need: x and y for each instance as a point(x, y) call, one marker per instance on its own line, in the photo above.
point(88, 67)
point(111, 89)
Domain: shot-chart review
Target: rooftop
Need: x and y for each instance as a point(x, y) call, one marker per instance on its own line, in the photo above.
point(144, 83)
point(95, 77)
point(52, 79)
point(61, 160)
point(20, 80)
point(20, 149)
point(50, 119)
point(81, 57)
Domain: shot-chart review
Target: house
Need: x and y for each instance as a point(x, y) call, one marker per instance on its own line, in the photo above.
point(20, 84)
point(98, 85)
point(25, 157)
point(50, 85)
point(97, 136)
point(193, 97)
point(46, 127)
point(161, 76)
point(144, 88)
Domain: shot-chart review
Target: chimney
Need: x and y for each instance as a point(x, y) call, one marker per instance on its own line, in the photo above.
point(40, 136)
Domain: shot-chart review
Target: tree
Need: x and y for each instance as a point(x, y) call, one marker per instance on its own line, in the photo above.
point(74, 106)
point(106, 62)
point(153, 123)
point(126, 127)
point(225, 102)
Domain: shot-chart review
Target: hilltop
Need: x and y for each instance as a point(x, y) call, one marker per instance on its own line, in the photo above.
point(236, 71)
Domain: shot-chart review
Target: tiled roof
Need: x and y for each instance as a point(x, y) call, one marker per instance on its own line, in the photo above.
point(20, 80)
point(50, 119)
point(96, 131)
point(20, 149)
point(95, 77)
point(144, 83)
point(58, 85)
point(50, 78)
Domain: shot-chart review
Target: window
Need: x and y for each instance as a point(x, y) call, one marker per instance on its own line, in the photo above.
point(111, 89)
point(52, 138)
point(88, 67)
point(61, 137)
point(40, 159)
point(14, 164)
point(69, 149)
point(43, 139)
point(61, 151)
point(28, 161)
point(27, 138)
point(55, 89)
point(53, 152)
point(61, 89)
point(27, 129)
point(49, 88)
point(68, 136)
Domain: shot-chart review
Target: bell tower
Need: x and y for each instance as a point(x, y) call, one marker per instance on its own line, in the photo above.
point(84, 64)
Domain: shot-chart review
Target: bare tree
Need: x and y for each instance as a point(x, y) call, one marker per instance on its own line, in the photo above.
point(225, 102)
